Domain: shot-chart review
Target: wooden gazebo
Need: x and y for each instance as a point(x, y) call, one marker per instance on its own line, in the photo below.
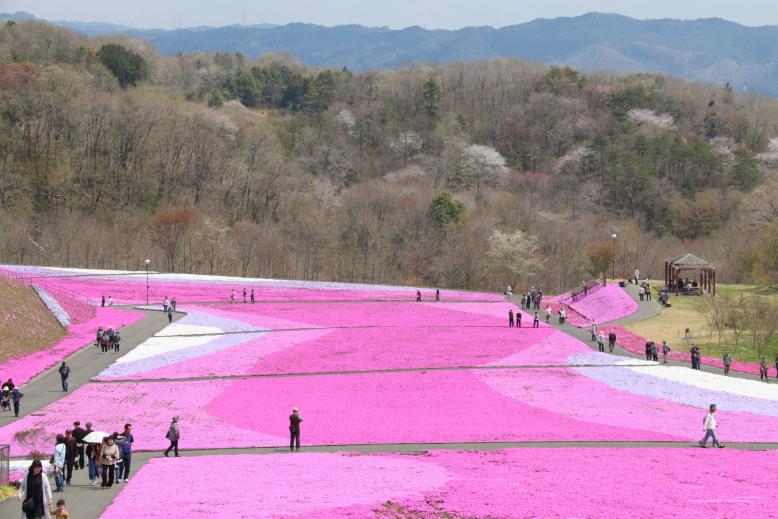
point(703, 274)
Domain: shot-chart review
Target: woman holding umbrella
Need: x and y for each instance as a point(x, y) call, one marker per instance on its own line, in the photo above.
point(35, 493)
point(94, 442)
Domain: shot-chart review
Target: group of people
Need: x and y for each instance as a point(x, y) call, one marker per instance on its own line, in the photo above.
point(532, 299)
point(108, 458)
point(652, 351)
point(234, 296)
point(107, 340)
point(762, 368)
point(599, 338)
point(515, 319)
point(10, 396)
point(103, 301)
point(644, 290)
point(418, 295)
point(168, 307)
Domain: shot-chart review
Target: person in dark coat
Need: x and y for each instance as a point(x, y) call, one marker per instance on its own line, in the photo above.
point(510, 318)
point(648, 350)
point(78, 434)
point(294, 429)
point(35, 487)
point(64, 373)
point(418, 296)
point(518, 319)
point(116, 342)
point(611, 340)
point(252, 296)
point(170, 314)
point(71, 452)
point(16, 399)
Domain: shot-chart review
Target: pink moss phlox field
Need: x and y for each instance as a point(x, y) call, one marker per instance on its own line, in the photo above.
point(25, 367)
point(77, 308)
point(151, 406)
point(561, 483)
point(637, 344)
point(130, 287)
point(607, 304)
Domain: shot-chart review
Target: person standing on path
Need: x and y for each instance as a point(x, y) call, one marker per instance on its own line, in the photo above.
point(233, 299)
point(173, 303)
point(64, 373)
point(637, 275)
point(437, 295)
point(165, 304)
point(244, 296)
point(763, 370)
point(78, 434)
point(518, 318)
point(523, 300)
point(601, 342)
point(648, 350)
point(294, 429)
point(16, 399)
point(510, 318)
point(252, 296)
point(641, 293)
point(418, 296)
point(173, 434)
point(549, 311)
point(102, 302)
point(116, 340)
point(58, 462)
point(170, 314)
point(109, 455)
point(727, 361)
point(127, 439)
point(710, 425)
point(71, 455)
point(665, 352)
point(594, 331)
point(35, 493)
point(535, 321)
point(611, 340)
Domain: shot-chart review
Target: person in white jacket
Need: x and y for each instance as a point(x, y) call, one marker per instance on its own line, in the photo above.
point(710, 425)
point(38, 484)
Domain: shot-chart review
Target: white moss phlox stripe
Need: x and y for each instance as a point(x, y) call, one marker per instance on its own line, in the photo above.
point(710, 381)
point(170, 339)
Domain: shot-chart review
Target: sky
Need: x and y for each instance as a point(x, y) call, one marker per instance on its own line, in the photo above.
point(433, 14)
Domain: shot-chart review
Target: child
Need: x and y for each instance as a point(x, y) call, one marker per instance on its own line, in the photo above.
point(60, 512)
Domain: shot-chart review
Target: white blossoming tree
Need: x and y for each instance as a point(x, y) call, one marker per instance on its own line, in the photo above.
point(513, 255)
point(483, 165)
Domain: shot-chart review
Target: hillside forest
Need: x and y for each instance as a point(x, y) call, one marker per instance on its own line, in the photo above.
point(470, 175)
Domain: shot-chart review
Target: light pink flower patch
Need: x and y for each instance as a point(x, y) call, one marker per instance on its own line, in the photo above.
point(150, 407)
point(563, 482)
point(25, 367)
point(310, 485)
point(606, 304)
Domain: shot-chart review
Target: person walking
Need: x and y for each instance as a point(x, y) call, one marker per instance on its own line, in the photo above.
point(518, 318)
point(252, 296)
point(710, 425)
point(116, 341)
point(35, 493)
point(173, 434)
point(594, 331)
point(611, 340)
point(418, 296)
point(165, 304)
point(109, 455)
point(523, 300)
point(294, 429)
point(654, 352)
point(16, 399)
point(58, 463)
point(71, 455)
point(510, 318)
point(665, 352)
point(170, 314)
point(78, 435)
point(64, 373)
point(549, 311)
point(648, 290)
point(102, 301)
point(641, 293)
point(233, 298)
point(126, 441)
point(763, 369)
point(437, 294)
point(244, 295)
point(727, 361)
point(648, 350)
point(173, 303)
point(535, 321)
point(601, 342)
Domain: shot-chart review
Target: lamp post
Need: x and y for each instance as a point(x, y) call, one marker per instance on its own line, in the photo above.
point(147, 281)
point(614, 236)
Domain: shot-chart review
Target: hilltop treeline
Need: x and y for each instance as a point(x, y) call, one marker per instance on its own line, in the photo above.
point(110, 153)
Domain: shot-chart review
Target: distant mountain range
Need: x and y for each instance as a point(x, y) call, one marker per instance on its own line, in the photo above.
point(708, 50)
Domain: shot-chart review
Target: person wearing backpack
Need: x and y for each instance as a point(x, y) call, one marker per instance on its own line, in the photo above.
point(64, 373)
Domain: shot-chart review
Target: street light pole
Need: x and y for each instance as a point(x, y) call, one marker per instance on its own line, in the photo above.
point(614, 254)
point(147, 281)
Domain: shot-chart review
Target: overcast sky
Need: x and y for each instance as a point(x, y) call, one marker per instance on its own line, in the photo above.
point(445, 14)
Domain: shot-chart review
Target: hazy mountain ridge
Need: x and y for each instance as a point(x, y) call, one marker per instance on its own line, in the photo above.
point(708, 50)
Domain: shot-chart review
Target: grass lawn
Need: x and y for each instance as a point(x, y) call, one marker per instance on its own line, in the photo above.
point(26, 325)
point(689, 312)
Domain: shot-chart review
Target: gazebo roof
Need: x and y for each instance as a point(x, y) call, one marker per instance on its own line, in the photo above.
point(690, 260)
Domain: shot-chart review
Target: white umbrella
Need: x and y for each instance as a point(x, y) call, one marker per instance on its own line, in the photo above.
point(95, 437)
